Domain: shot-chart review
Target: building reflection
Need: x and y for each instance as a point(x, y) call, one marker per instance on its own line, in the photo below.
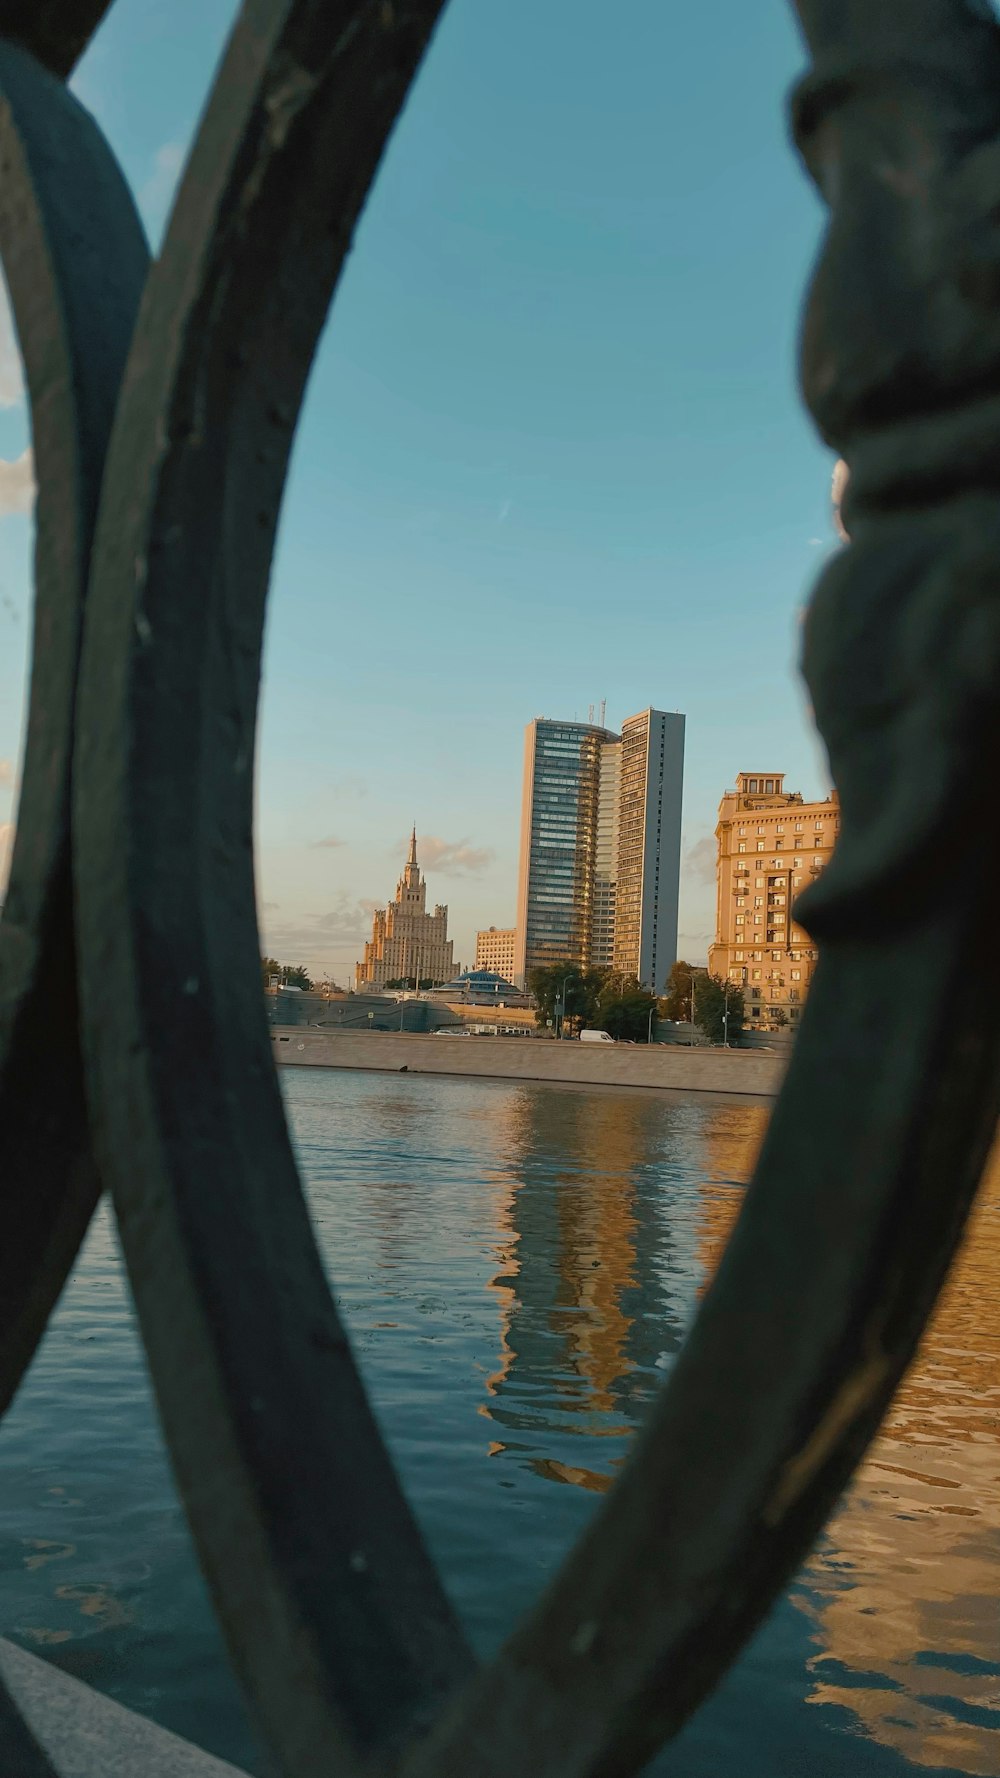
point(599, 1251)
point(904, 1588)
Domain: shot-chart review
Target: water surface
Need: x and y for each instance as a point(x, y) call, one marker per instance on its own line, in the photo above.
point(518, 1264)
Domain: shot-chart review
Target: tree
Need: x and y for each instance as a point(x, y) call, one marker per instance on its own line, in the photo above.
point(624, 1009)
point(677, 1000)
point(291, 975)
point(712, 996)
point(583, 988)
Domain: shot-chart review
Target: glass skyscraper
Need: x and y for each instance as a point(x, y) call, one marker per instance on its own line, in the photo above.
point(600, 846)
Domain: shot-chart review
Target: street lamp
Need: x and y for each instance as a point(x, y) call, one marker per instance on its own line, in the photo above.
point(560, 1006)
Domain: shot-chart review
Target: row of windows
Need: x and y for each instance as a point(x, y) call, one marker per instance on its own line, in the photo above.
point(799, 827)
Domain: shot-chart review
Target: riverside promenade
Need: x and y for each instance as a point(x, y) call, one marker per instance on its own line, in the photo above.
point(657, 1067)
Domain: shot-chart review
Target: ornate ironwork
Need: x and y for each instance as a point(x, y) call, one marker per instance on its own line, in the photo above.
point(164, 403)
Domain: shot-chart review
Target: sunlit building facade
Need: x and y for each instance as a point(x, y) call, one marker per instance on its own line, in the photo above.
point(771, 846)
point(406, 940)
point(555, 897)
point(495, 950)
point(600, 846)
point(647, 887)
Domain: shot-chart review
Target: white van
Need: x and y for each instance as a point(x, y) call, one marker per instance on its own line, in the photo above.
point(595, 1037)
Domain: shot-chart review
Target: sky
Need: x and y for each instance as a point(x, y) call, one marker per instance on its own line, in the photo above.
point(552, 450)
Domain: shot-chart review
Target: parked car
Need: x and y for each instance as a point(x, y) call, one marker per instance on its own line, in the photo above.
point(596, 1037)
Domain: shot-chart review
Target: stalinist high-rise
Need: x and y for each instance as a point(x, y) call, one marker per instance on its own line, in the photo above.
point(406, 940)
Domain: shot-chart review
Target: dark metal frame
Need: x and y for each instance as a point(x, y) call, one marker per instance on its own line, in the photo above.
point(164, 403)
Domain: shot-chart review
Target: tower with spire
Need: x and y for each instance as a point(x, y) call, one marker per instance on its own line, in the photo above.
point(407, 944)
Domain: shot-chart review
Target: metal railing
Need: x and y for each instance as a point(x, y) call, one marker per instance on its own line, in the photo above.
point(164, 403)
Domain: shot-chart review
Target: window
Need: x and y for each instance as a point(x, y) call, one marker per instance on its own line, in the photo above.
point(758, 901)
point(818, 826)
point(798, 827)
point(741, 847)
point(739, 956)
point(818, 861)
point(756, 975)
point(760, 845)
point(758, 883)
point(779, 828)
point(796, 975)
point(740, 918)
point(742, 830)
point(796, 862)
point(761, 830)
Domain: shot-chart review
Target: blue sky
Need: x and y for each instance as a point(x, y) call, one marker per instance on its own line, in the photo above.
point(552, 449)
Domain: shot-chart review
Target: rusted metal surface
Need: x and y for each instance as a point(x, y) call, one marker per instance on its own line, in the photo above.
point(337, 1621)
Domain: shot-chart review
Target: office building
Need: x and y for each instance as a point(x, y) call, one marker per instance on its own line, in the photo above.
point(495, 950)
point(771, 845)
point(406, 940)
point(647, 888)
point(600, 846)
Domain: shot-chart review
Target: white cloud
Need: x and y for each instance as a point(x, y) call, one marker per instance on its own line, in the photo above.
point(6, 771)
point(699, 860)
point(331, 840)
point(452, 858)
point(17, 484)
point(157, 193)
point(348, 923)
point(11, 369)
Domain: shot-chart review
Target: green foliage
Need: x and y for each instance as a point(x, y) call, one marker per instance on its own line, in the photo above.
point(712, 995)
point(677, 1000)
point(624, 1009)
point(583, 988)
point(292, 975)
point(410, 982)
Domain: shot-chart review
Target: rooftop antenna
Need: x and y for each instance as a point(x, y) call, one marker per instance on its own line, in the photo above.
point(604, 709)
point(590, 714)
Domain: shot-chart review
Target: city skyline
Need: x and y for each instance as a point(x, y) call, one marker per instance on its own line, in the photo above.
point(546, 458)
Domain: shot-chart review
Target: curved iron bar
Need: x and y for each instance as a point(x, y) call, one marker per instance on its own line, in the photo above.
point(75, 259)
point(55, 32)
point(878, 1140)
point(333, 1610)
point(338, 1622)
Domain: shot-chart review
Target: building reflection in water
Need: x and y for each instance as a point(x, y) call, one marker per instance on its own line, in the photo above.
point(905, 1587)
point(604, 1249)
point(601, 1255)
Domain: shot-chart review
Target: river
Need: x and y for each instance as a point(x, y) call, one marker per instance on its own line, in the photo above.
point(517, 1265)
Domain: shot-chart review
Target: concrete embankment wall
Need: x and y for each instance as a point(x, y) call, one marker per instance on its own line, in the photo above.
point(660, 1066)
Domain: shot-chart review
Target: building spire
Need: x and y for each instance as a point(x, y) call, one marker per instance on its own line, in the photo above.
point(413, 846)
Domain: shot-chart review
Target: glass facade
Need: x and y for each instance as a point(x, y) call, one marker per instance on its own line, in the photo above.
point(559, 842)
point(600, 846)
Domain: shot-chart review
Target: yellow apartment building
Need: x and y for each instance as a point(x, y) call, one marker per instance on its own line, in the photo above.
point(771, 846)
point(495, 950)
